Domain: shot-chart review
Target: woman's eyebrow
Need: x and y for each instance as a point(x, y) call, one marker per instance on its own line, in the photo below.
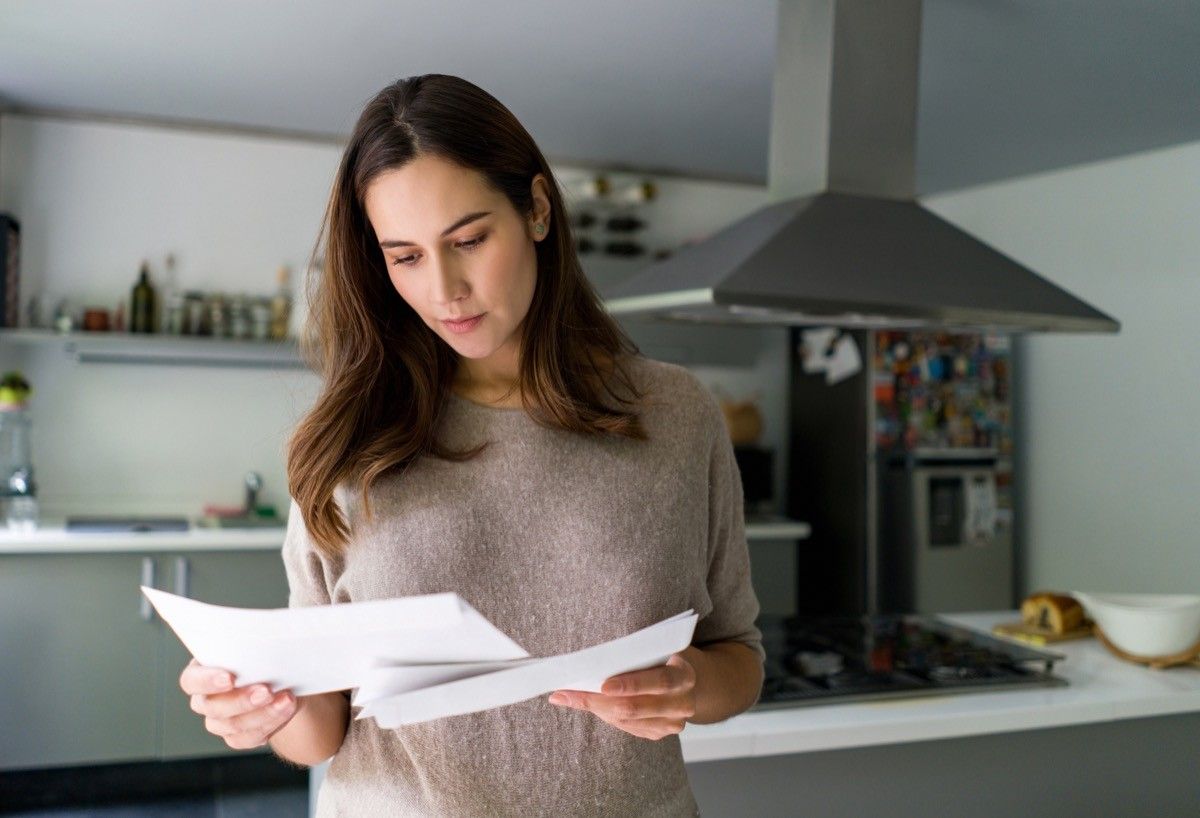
point(467, 219)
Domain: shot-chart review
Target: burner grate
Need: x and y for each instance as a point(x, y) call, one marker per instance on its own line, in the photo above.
point(815, 660)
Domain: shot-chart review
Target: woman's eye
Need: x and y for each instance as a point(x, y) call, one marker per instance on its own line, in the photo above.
point(469, 244)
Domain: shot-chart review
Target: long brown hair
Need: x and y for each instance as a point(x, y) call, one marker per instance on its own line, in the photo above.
point(385, 375)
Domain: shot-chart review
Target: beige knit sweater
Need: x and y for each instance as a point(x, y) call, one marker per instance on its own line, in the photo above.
point(562, 541)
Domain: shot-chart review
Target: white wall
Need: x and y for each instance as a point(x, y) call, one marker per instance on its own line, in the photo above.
point(1110, 424)
point(94, 198)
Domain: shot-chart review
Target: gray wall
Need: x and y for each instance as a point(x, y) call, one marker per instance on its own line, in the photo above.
point(1109, 422)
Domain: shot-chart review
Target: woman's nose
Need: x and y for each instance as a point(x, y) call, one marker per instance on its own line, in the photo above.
point(448, 285)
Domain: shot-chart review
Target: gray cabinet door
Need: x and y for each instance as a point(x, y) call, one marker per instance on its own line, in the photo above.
point(246, 579)
point(80, 678)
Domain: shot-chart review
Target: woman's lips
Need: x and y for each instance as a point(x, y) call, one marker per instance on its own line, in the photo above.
point(460, 327)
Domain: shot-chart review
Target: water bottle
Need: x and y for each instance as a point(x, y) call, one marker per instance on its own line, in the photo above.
point(18, 489)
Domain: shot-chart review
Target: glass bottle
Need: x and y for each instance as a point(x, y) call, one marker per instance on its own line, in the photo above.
point(170, 319)
point(19, 490)
point(281, 304)
point(142, 310)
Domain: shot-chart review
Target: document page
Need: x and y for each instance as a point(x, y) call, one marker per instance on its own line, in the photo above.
point(408, 659)
point(320, 648)
point(579, 670)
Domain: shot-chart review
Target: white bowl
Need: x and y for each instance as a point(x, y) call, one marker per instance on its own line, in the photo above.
point(1145, 625)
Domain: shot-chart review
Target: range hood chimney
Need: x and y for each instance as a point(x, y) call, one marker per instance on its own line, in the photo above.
point(843, 241)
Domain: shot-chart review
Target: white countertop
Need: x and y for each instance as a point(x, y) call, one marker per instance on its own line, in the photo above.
point(1102, 688)
point(53, 538)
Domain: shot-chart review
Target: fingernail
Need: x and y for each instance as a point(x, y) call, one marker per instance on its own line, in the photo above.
point(223, 680)
point(612, 687)
point(260, 696)
point(283, 703)
point(559, 698)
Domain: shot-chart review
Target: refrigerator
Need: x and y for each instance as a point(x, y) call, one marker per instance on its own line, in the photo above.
point(901, 447)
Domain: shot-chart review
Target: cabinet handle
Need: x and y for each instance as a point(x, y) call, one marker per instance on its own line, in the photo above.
point(145, 609)
point(181, 576)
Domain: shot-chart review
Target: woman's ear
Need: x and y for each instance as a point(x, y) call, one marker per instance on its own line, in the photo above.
point(541, 208)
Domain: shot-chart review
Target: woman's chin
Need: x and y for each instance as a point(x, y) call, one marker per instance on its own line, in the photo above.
point(473, 348)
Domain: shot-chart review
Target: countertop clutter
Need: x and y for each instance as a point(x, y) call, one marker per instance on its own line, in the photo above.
point(1102, 688)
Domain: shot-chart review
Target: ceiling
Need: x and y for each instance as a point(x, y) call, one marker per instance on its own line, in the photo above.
point(1008, 87)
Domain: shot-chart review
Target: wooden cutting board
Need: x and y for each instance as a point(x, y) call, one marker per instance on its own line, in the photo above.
point(1040, 636)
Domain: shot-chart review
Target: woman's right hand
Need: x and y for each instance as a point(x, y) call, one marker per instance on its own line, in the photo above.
point(245, 717)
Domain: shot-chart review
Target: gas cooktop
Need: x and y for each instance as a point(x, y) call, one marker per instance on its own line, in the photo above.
point(836, 659)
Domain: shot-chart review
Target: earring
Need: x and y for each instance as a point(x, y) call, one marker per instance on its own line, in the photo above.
point(540, 228)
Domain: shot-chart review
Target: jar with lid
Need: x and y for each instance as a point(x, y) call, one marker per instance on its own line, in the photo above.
point(173, 313)
point(193, 313)
point(217, 319)
point(260, 319)
point(239, 317)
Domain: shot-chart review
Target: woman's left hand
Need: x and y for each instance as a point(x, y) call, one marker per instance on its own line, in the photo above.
point(651, 703)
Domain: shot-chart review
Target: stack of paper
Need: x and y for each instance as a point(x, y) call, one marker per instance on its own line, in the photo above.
point(408, 659)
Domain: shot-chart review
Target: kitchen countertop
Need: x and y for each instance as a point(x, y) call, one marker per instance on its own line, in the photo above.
point(1102, 688)
point(53, 538)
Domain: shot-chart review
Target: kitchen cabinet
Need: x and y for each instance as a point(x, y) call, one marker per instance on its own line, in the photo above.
point(245, 579)
point(95, 672)
point(79, 683)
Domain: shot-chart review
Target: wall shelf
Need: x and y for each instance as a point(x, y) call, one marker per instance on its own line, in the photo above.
point(164, 350)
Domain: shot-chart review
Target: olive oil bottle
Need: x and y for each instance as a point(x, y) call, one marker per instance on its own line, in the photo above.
point(142, 307)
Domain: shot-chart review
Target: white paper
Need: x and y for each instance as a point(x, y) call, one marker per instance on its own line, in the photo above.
point(388, 680)
point(814, 346)
point(408, 659)
point(981, 511)
point(820, 353)
point(321, 648)
point(583, 669)
point(844, 362)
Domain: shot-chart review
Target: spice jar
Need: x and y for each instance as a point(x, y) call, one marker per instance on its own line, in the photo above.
point(95, 319)
point(193, 313)
point(218, 321)
point(239, 317)
point(260, 319)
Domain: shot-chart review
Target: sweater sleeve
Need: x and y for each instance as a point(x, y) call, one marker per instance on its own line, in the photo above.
point(304, 566)
point(302, 562)
point(735, 606)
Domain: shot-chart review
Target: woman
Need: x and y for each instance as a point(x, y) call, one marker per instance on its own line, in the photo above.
point(486, 428)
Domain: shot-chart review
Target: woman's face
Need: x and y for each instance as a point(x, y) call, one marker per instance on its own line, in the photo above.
point(455, 248)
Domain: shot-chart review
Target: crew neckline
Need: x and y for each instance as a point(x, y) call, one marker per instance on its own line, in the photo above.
point(484, 407)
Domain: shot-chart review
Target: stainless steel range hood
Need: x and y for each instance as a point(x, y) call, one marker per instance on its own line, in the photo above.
point(844, 242)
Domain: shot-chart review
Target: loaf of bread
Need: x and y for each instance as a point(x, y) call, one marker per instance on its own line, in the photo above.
point(1052, 611)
